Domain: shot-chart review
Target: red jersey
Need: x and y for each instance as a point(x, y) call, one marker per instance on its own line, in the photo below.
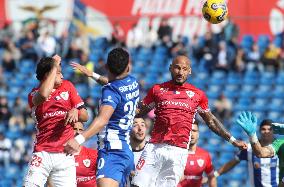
point(175, 109)
point(49, 117)
point(197, 163)
point(86, 167)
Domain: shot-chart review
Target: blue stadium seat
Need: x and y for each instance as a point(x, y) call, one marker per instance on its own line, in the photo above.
point(247, 42)
point(234, 79)
point(274, 116)
point(278, 41)
point(263, 42)
point(82, 90)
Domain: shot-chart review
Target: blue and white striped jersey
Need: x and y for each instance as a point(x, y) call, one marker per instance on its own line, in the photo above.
point(123, 96)
point(263, 172)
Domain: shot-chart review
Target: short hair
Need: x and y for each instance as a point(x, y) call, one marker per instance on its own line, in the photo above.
point(117, 61)
point(44, 66)
point(265, 122)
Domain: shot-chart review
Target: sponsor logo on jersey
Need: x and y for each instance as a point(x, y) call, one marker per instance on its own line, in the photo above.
point(57, 98)
point(64, 95)
point(108, 99)
point(140, 163)
point(164, 90)
point(176, 92)
point(87, 162)
point(200, 162)
point(56, 113)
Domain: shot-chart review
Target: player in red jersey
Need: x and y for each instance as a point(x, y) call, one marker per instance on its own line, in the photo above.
point(56, 106)
point(176, 103)
point(86, 162)
point(198, 161)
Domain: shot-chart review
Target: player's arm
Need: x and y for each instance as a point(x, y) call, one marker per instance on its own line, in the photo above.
point(142, 109)
point(212, 181)
point(105, 112)
point(147, 104)
point(226, 167)
point(248, 122)
point(102, 80)
point(47, 84)
point(218, 128)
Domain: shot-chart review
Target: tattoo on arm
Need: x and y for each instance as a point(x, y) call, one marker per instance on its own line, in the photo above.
point(142, 109)
point(262, 152)
point(102, 80)
point(215, 125)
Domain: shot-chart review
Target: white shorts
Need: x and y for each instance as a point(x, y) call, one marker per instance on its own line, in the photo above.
point(58, 167)
point(160, 165)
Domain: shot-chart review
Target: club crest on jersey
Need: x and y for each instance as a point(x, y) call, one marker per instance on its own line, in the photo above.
point(87, 162)
point(200, 162)
point(190, 94)
point(64, 95)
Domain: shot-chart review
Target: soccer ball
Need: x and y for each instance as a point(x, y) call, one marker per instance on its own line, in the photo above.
point(215, 11)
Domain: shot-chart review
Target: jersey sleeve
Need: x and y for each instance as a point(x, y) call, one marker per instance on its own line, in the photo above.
point(209, 167)
point(76, 100)
point(277, 144)
point(149, 99)
point(30, 97)
point(242, 155)
point(203, 105)
point(110, 96)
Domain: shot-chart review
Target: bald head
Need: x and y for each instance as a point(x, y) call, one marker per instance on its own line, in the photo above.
point(180, 69)
point(182, 59)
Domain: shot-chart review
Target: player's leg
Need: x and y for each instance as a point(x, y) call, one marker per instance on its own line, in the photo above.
point(172, 169)
point(64, 170)
point(107, 182)
point(148, 166)
point(111, 167)
point(38, 170)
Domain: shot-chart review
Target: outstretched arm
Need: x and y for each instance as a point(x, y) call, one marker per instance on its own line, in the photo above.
point(212, 181)
point(102, 80)
point(262, 152)
point(218, 128)
point(226, 167)
point(72, 146)
point(248, 121)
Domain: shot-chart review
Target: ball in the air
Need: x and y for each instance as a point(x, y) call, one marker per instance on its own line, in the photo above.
point(215, 11)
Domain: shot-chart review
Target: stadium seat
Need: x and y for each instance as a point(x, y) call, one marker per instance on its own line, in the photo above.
point(234, 79)
point(263, 42)
point(274, 116)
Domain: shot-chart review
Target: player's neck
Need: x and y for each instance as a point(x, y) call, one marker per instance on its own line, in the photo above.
point(192, 147)
point(137, 145)
point(264, 142)
point(112, 77)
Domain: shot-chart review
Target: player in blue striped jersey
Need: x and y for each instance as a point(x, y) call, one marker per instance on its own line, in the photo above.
point(113, 123)
point(263, 172)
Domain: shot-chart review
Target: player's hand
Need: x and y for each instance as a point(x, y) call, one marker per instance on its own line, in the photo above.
point(204, 180)
point(57, 59)
point(82, 69)
point(278, 128)
point(240, 144)
point(71, 116)
point(71, 147)
point(248, 122)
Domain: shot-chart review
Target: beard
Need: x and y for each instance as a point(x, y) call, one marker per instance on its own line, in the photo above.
point(138, 140)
